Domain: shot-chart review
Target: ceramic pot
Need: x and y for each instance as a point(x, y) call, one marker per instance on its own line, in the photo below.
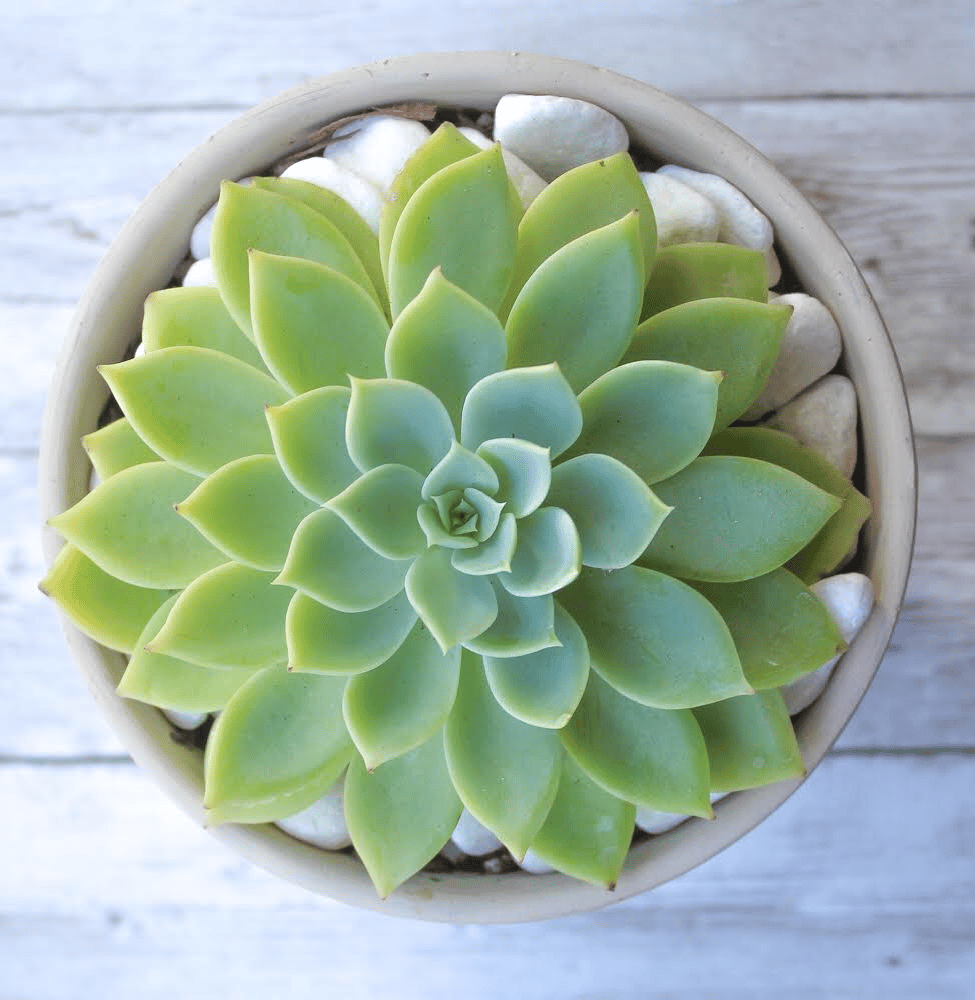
point(154, 242)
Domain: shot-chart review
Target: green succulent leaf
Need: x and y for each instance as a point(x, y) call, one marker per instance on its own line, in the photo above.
point(444, 147)
point(248, 509)
point(412, 795)
point(308, 433)
point(532, 404)
point(115, 447)
point(652, 757)
point(543, 688)
point(577, 202)
point(492, 556)
point(323, 640)
point(170, 394)
point(780, 627)
point(547, 555)
point(750, 741)
point(524, 472)
point(195, 316)
point(588, 830)
point(454, 606)
point(276, 748)
point(176, 684)
point(341, 214)
point(391, 421)
point(403, 702)
point(580, 306)
point(653, 416)
point(329, 562)
point(615, 512)
point(380, 507)
point(688, 271)
point(734, 519)
point(432, 518)
point(523, 625)
point(107, 610)
point(129, 526)
point(506, 771)
point(458, 470)
point(232, 616)
point(838, 537)
point(463, 219)
point(250, 218)
point(655, 639)
point(735, 336)
point(313, 325)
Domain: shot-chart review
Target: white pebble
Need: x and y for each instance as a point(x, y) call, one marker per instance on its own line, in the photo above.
point(360, 193)
point(185, 720)
point(555, 134)
point(810, 349)
point(533, 863)
point(322, 824)
point(527, 183)
point(200, 272)
point(824, 417)
point(772, 267)
point(377, 147)
point(848, 598)
point(654, 821)
point(683, 215)
point(741, 222)
point(473, 838)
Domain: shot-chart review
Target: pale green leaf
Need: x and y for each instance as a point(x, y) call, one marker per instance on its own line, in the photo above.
point(532, 404)
point(326, 641)
point(174, 684)
point(654, 638)
point(506, 771)
point(688, 271)
point(129, 526)
point(588, 830)
point(313, 325)
point(581, 305)
point(107, 610)
point(734, 519)
point(750, 741)
point(248, 509)
point(458, 470)
point(653, 416)
point(781, 629)
point(391, 421)
point(309, 439)
point(195, 316)
point(434, 518)
point(380, 507)
point(524, 472)
point(614, 511)
point(276, 748)
point(547, 555)
point(115, 447)
point(447, 341)
point(463, 219)
point(454, 606)
point(543, 688)
point(329, 562)
point(491, 556)
point(402, 814)
point(232, 616)
point(249, 218)
point(733, 336)
point(523, 625)
point(652, 757)
point(403, 702)
point(172, 395)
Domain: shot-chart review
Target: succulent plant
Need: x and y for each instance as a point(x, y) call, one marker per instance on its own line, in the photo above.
point(460, 511)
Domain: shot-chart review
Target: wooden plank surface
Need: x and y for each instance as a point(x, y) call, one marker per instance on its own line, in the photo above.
point(862, 884)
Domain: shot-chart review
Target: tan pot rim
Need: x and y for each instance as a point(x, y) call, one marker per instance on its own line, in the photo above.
point(155, 239)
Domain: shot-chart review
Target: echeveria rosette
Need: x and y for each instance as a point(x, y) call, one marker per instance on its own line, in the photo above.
point(445, 510)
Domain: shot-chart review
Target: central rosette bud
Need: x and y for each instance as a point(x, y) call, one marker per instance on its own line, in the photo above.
point(468, 517)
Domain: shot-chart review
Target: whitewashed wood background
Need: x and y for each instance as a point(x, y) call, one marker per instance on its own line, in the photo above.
point(862, 885)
